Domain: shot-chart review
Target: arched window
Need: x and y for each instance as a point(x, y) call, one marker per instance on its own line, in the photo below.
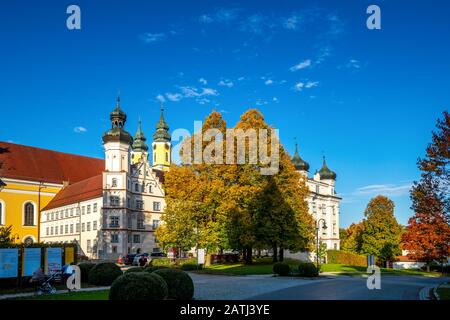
point(114, 182)
point(29, 214)
point(28, 241)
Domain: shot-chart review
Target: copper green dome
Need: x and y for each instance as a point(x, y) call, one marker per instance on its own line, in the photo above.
point(162, 130)
point(325, 172)
point(139, 140)
point(299, 163)
point(117, 132)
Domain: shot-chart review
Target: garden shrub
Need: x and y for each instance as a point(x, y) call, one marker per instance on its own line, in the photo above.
point(134, 269)
point(281, 268)
point(163, 262)
point(85, 268)
point(307, 269)
point(342, 257)
point(150, 269)
point(190, 266)
point(179, 283)
point(138, 286)
point(104, 273)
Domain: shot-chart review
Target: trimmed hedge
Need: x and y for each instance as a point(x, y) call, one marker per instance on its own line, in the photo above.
point(307, 269)
point(190, 266)
point(85, 268)
point(163, 262)
point(104, 273)
point(138, 286)
point(179, 283)
point(342, 257)
point(134, 269)
point(281, 268)
point(150, 269)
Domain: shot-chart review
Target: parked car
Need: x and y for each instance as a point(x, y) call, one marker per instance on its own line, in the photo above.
point(137, 257)
point(128, 259)
point(158, 255)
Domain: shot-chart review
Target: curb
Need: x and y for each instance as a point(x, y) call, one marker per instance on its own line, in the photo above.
point(32, 294)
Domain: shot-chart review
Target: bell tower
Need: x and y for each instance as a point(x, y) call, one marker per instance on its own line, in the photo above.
point(161, 146)
point(139, 147)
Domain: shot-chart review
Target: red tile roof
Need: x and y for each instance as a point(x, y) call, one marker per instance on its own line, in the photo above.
point(36, 164)
point(84, 190)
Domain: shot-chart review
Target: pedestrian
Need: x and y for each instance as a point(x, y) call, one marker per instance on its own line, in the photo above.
point(142, 261)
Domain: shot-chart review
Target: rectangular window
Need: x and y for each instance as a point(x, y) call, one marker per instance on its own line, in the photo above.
point(114, 201)
point(114, 249)
point(71, 212)
point(136, 238)
point(129, 238)
point(95, 208)
point(88, 226)
point(114, 238)
point(155, 224)
point(88, 245)
point(113, 222)
point(71, 228)
point(66, 229)
point(82, 227)
point(140, 222)
point(46, 231)
point(61, 229)
point(128, 203)
point(77, 227)
point(94, 225)
point(83, 209)
point(156, 206)
point(51, 230)
point(66, 213)
point(78, 211)
point(56, 230)
point(88, 210)
point(317, 189)
point(130, 222)
point(139, 204)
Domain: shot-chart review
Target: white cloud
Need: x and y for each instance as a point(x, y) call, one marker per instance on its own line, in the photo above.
point(268, 82)
point(79, 129)
point(301, 65)
point(293, 22)
point(152, 37)
point(311, 84)
point(160, 98)
point(275, 99)
point(174, 96)
point(389, 190)
point(226, 83)
point(299, 86)
point(203, 81)
point(241, 78)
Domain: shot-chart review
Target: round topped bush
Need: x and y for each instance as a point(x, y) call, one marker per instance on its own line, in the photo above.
point(104, 273)
point(85, 267)
point(179, 283)
point(138, 286)
point(308, 269)
point(281, 268)
point(134, 269)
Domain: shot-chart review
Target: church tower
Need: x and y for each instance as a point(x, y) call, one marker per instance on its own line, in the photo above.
point(161, 145)
point(116, 142)
point(139, 147)
point(300, 165)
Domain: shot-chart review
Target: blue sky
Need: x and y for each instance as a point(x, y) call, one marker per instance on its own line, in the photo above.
point(366, 99)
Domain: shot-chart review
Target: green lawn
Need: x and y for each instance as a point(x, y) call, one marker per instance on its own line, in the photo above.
point(83, 295)
point(265, 267)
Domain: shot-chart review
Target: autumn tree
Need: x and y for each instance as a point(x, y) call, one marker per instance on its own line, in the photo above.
point(427, 236)
point(351, 241)
point(381, 235)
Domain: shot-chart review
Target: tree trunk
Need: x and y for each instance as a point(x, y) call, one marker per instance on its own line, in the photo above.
point(275, 254)
point(248, 256)
point(281, 254)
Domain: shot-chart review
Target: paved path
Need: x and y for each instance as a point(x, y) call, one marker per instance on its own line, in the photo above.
point(327, 288)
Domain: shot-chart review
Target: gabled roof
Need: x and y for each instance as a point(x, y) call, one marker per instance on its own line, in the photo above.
point(84, 190)
point(36, 164)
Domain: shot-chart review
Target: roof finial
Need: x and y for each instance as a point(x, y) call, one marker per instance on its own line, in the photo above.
point(296, 146)
point(118, 100)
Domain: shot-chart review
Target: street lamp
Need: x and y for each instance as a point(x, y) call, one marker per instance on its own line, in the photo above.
point(324, 226)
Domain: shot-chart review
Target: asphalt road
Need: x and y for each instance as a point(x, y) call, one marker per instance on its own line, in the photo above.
point(354, 288)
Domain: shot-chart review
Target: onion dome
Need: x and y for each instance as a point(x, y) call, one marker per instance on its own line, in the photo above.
point(299, 163)
point(117, 132)
point(139, 140)
point(325, 173)
point(162, 129)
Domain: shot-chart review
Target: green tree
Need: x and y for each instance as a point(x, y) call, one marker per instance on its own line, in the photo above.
point(381, 235)
point(352, 240)
point(6, 236)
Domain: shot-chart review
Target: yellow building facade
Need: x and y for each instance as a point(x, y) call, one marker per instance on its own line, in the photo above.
point(20, 204)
